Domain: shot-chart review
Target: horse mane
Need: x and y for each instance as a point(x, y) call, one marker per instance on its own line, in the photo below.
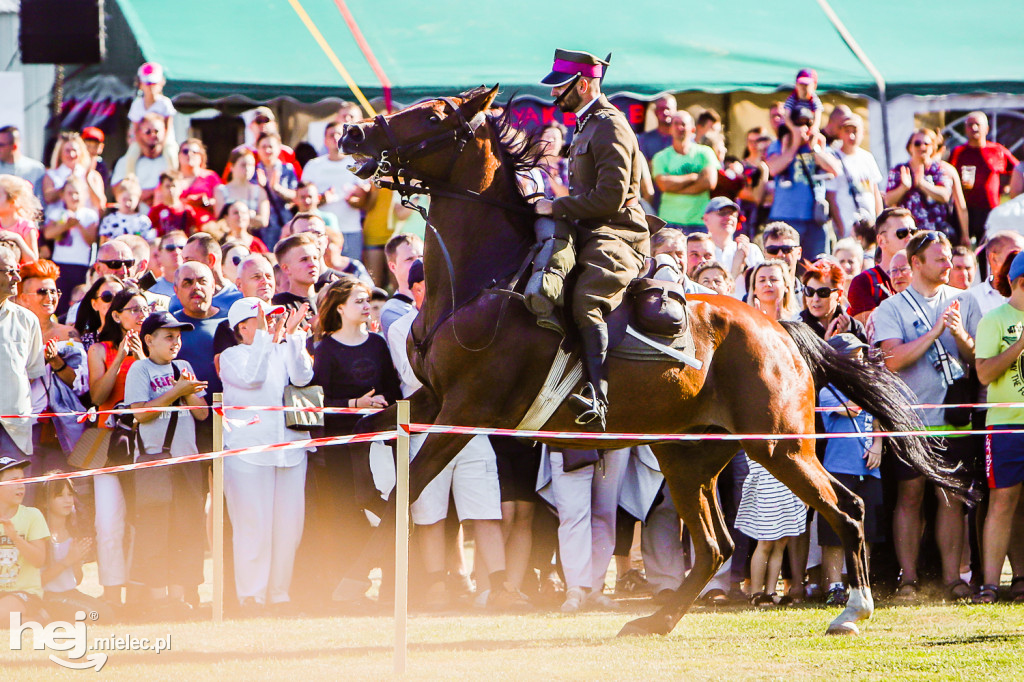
point(520, 150)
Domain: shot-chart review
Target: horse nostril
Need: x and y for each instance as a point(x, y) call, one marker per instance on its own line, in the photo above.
point(353, 133)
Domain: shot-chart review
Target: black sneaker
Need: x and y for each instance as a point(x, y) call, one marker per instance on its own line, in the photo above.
point(836, 596)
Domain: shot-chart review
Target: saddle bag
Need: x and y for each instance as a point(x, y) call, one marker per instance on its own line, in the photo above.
point(659, 307)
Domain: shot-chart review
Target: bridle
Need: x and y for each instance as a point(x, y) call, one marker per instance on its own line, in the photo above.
point(394, 160)
point(393, 173)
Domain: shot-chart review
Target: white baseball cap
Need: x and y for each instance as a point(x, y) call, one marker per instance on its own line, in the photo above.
point(248, 307)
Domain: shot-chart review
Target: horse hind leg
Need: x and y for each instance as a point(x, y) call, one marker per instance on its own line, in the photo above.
point(794, 464)
point(691, 475)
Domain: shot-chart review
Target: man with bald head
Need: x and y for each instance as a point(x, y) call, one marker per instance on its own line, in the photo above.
point(203, 248)
point(115, 258)
point(685, 172)
point(985, 168)
point(193, 289)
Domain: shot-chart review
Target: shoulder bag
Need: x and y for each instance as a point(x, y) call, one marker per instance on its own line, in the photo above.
point(303, 397)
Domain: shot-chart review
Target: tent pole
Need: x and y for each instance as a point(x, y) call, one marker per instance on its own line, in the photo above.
point(861, 56)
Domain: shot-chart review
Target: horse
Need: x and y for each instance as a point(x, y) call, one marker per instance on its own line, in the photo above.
point(482, 357)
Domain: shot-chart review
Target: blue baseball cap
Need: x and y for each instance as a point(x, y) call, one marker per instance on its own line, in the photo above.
point(1017, 267)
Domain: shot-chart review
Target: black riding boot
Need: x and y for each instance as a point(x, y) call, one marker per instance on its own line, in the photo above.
point(592, 401)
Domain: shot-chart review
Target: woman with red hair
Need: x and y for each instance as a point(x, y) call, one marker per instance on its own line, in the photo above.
point(824, 289)
point(38, 292)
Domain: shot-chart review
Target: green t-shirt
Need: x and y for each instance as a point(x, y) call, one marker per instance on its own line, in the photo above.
point(683, 209)
point(997, 331)
point(17, 574)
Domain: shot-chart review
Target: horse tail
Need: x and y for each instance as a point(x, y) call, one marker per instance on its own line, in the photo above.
point(873, 387)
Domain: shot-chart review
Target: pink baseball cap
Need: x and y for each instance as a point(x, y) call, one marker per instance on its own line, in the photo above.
point(808, 76)
point(151, 73)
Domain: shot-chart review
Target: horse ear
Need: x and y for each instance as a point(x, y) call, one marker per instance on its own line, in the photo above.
point(479, 101)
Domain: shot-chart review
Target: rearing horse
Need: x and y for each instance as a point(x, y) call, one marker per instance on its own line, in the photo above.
point(483, 359)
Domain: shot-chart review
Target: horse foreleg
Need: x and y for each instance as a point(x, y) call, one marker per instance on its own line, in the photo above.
point(691, 475)
point(796, 466)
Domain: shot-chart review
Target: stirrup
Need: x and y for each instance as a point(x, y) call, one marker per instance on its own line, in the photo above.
point(589, 407)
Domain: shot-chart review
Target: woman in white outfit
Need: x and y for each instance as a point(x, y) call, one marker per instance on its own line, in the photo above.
point(265, 491)
point(586, 498)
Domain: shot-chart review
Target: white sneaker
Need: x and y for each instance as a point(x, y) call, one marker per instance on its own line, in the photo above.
point(480, 600)
point(574, 598)
point(600, 602)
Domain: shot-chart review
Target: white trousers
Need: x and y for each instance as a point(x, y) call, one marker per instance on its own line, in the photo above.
point(267, 506)
point(586, 501)
point(110, 527)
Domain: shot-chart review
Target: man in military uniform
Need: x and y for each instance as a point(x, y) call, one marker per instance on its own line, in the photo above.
point(601, 216)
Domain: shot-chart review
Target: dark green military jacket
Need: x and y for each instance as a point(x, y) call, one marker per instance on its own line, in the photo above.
point(604, 176)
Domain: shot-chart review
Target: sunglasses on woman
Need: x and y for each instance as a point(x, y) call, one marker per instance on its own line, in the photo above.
point(820, 292)
point(776, 249)
point(107, 296)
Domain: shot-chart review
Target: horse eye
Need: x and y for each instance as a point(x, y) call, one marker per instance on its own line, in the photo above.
point(434, 118)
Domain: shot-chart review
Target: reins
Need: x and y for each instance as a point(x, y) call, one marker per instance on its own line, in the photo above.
point(394, 173)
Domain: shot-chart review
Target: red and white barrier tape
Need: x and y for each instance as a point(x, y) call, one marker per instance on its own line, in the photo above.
point(308, 443)
point(92, 413)
point(654, 437)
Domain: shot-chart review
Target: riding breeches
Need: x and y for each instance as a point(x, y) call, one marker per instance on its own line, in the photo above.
point(605, 265)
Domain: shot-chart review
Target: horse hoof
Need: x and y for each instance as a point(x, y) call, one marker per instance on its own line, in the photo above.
point(642, 626)
point(847, 628)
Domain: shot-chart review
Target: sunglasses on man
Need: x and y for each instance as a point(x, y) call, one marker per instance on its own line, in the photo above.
point(776, 249)
point(173, 247)
point(904, 232)
point(118, 263)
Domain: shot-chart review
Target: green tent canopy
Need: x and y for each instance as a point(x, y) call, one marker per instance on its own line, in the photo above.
point(262, 50)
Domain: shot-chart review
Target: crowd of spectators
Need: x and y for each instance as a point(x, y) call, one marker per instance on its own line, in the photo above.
point(163, 282)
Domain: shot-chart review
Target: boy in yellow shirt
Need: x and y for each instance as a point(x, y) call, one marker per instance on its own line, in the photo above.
point(23, 535)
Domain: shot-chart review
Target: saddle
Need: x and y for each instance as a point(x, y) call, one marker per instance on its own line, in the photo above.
point(652, 318)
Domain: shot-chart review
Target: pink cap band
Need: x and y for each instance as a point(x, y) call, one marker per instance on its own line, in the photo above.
point(588, 70)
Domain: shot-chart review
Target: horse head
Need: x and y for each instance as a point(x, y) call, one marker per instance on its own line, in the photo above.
point(422, 141)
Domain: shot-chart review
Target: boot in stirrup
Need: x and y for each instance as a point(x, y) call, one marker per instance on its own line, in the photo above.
point(592, 402)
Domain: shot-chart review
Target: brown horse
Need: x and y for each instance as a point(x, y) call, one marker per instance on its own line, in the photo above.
point(482, 358)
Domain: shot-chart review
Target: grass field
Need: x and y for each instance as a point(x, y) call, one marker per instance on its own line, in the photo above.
point(919, 642)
